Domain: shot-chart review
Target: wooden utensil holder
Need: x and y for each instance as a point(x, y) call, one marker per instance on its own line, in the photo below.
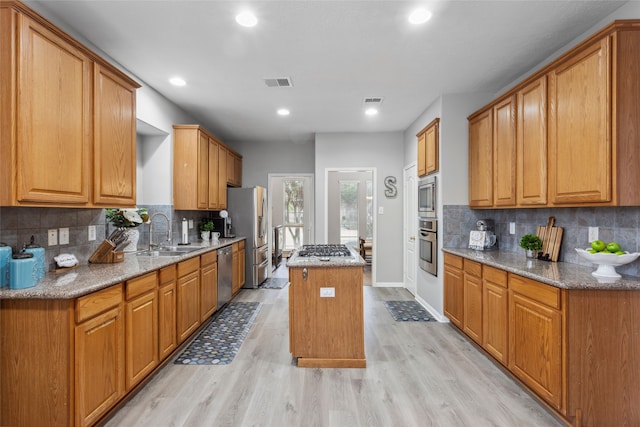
point(105, 254)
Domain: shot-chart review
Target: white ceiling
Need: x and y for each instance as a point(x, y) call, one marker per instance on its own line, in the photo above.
point(336, 53)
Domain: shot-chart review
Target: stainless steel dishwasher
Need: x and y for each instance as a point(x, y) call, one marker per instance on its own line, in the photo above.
point(225, 273)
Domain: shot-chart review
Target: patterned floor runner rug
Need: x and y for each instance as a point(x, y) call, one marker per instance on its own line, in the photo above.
point(274, 283)
point(219, 342)
point(408, 311)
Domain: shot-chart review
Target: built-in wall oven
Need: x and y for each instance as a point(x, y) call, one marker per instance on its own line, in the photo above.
point(427, 191)
point(428, 245)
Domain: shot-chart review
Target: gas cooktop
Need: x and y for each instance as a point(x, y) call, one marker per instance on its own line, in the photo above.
point(331, 250)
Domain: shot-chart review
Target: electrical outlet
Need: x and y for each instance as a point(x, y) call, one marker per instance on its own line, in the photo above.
point(593, 234)
point(53, 237)
point(327, 292)
point(64, 236)
point(92, 233)
point(380, 210)
point(190, 224)
point(512, 228)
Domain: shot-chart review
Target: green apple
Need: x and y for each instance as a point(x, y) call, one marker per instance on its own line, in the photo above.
point(592, 251)
point(598, 245)
point(613, 247)
point(621, 253)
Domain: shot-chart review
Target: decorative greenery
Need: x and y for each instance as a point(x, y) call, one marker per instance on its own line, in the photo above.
point(207, 225)
point(132, 217)
point(531, 242)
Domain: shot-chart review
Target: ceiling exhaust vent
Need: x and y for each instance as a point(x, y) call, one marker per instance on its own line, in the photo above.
point(372, 101)
point(279, 82)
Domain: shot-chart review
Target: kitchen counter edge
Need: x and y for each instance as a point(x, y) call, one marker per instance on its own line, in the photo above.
point(89, 278)
point(559, 274)
point(355, 260)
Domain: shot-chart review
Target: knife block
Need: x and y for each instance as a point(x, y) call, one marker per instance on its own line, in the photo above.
point(105, 254)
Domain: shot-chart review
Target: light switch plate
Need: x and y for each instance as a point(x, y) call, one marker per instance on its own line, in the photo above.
point(380, 210)
point(190, 224)
point(593, 234)
point(64, 236)
point(91, 232)
point(53, 237)
point(512, 228)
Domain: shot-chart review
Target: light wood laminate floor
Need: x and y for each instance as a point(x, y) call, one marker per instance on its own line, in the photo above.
point(418, 374)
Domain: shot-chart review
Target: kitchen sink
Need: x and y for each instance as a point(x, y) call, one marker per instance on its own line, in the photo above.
point(169, 251)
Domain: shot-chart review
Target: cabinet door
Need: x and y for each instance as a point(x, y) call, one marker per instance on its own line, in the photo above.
point(214, 188)
point(188, 304)
point(141, 332)
point(535, 345)
point(495, 313)
point(422, 154)
point(481, 160)
point(208, 290)
point(235, 262)
point(203, 171)
point(238, 171)
point(431, 147)
point(580, 147)
point(114, 143)
point(531, 141)
point(473, 307)
point(99, 366)
point(241, 267)
point(222, 177)
point(504, 153)
point(167, 341)
point(454, 295)
point(231, 166)
point(54, 118)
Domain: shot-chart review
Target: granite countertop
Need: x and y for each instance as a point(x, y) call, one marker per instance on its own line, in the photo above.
point(92, 277)
point(558, 274)
point(313, 261)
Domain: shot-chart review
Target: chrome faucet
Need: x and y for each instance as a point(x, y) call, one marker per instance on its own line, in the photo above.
point(151, 245)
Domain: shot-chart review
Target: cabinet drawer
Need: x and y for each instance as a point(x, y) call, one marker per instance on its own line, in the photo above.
point(140, 285)
point(188, 266)
point(209, 258)
point(93, 304)
point(544, 294)
point(167, 274)
point(453, 260)
point(495, 276)
point(473, 268)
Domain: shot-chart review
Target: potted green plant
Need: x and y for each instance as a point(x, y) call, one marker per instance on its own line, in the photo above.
point(531, 244)
point(206, 227)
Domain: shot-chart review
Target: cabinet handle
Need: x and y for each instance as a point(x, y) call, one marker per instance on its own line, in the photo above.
point(304, 273)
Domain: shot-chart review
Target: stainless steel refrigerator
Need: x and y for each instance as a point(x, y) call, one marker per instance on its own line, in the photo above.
point(247, 209)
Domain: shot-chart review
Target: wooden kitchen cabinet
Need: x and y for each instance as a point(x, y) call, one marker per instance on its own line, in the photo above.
point(504, 152)
point(481, 159)
point(454, 289)
point(472, 297)
point(65, 116)
point(208, 285)
point(222, 175)
point(531, 142)
point(99, 354)
point(241, 264)
point(235, 262)
point(167, 338)
point(495, 313)
point(141, 328)
point(428, 148)
point(213, 180)
point(535, 337)
point(188, 302)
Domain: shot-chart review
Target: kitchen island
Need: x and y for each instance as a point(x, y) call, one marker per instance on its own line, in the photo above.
point(326, 313)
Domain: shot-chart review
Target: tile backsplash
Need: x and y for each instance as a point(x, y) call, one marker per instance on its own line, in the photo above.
point(618, 224)
point(18, 224)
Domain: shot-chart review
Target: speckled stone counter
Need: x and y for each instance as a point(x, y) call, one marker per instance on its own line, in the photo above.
point(355, 260)
point(558, 274)
point(93, 277)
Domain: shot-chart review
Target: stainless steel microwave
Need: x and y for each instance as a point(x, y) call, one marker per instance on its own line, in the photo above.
point(427, 197)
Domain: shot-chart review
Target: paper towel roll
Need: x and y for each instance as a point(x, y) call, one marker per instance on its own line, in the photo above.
point(185, 231)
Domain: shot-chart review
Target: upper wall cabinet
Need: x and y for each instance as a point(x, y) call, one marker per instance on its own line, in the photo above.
point(428, 141)
point(481, 159)
point(577, 129)
point(67, 119)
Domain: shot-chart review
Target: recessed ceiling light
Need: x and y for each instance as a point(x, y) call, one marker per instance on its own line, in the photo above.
point(246, 19)
point(371, 111)
point(419, 16)
point(177, 81)
point(283, 112)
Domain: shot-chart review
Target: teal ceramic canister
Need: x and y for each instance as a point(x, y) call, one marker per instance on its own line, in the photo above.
point(5, 257)
point(38, 256)
point(22, 271)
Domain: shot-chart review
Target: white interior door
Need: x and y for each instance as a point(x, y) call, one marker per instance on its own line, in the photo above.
point(410, 228)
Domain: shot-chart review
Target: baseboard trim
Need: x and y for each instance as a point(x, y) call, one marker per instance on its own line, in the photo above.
point(388, 285)
point(439, 317)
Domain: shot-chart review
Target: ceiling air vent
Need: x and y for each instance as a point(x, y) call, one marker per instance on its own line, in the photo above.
point(278, 82)
point(372, 101)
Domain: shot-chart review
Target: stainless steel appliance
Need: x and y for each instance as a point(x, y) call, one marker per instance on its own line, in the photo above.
point(225, 272)
point(324, 251)
point(247, 209)
point(427, 197)
point(428, 245)
point(483, 238)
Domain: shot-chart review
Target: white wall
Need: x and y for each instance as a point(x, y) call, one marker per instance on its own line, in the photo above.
point(383, 152)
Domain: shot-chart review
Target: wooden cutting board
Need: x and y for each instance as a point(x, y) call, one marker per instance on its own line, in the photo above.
point(551, 237)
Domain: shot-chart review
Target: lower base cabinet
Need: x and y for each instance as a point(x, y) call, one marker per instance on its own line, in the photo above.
point(167, 338)
point(454, 289)
point(188, 293)
point(495, 313)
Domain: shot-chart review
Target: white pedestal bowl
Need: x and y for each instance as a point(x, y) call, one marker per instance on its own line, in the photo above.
point(607, 262)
